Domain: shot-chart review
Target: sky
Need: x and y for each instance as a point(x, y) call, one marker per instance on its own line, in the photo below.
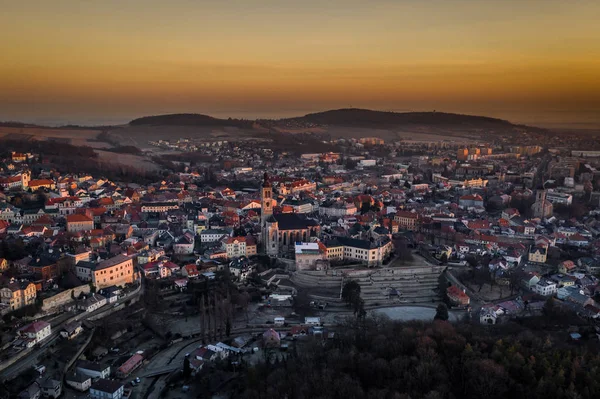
point(69, 61)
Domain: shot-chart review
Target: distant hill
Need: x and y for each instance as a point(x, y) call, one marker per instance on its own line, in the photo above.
point(368, 118)
point(189, 120)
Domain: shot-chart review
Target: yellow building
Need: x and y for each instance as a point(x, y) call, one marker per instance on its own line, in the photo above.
point(18, 294)
point(114, 271)
point(3, 264)
point(538, 254)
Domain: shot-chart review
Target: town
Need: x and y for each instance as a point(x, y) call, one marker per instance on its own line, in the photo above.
point(241, 251)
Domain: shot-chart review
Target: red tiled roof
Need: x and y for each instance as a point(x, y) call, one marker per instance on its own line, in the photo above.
point(78, 218)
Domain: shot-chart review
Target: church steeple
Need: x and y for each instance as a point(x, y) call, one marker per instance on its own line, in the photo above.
point(266, 200)
point(266, 182)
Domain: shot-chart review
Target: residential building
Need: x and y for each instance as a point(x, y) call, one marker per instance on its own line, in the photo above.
point(545, 287)
point(457, 296)
point(213, 235)
point(114, 271)
point(240, 246)
point(470, 201)
point(71, 330)
point(35, 332)
point(51, 388)
point(78, 222)
point(406, 220)
point(538, 253)
point(78, 381)
point(106, 389)
point(94, 302)
point(18, 294)
point(184, 245)
point(159, 207)
point(556, 197)
point(92, 369)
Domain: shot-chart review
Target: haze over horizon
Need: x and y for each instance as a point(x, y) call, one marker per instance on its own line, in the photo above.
point(109, 62)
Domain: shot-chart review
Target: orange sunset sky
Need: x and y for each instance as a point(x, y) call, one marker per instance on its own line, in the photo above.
point(109, 61)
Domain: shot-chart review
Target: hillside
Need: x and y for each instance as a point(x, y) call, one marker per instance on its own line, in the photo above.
point(368, 118)
point(188, 120)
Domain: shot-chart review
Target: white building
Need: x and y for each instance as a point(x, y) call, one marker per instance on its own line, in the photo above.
point(92, 303)
point(364, 251)
point(92, 369)
point(545, 287)
point(212, 235)
point(337, 209)
point(36, 332)
point(556, 197)
point(106, 389)
point(367, 162)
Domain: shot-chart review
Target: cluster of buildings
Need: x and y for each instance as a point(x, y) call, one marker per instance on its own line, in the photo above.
point(313, 211)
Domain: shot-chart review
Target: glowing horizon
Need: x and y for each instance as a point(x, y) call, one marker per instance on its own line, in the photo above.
point(510, 59)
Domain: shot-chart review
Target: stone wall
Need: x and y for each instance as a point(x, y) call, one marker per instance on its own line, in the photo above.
point(64, 297)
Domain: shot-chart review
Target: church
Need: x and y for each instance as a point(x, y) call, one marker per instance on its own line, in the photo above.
point(279, 232)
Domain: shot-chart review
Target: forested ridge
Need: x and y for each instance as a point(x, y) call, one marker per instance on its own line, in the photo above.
point(384, 359)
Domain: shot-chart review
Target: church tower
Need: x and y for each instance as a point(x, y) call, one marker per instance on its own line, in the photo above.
point(266, 204)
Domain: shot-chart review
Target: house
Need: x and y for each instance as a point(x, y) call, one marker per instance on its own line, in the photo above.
point(33, 391)
point(566, 267)
point(563, 280)
point(160, 269)
point(78, 381)
point(241, 268)
point(470, 201)
point(312, 321)
point(92, 369)
point(545, 287)
point(18, 294)
point(94, 302)
point(51, 388)
point(538, 253)
point(213, 235)
point(106, 389)
point(457, 296)
point(184, 245)
point(79, 222)
point(190, 271)
point(406, 220)
point(71, 330)
point(36, 332)
point(240, 246)
point(195, 365)
point(205, 354)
